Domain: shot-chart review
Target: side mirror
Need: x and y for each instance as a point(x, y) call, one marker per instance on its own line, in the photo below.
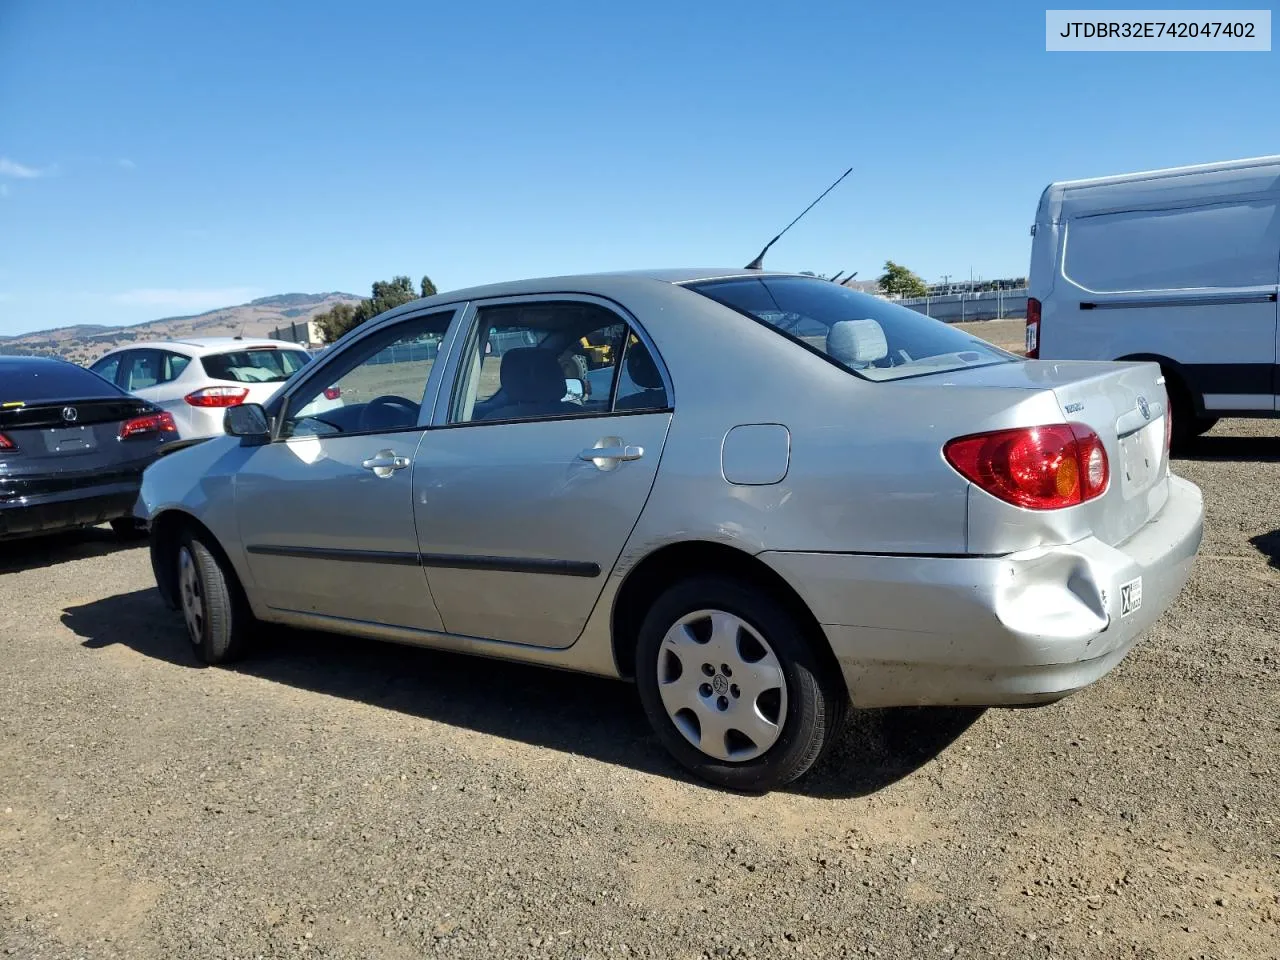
point(247, 421)
point(575, 390)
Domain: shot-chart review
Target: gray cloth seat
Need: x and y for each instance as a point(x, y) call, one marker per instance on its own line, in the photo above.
point(532, 386)
point(644, 373)
point(857, 343)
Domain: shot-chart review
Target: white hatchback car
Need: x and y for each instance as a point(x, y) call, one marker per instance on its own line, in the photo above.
point(196, 379)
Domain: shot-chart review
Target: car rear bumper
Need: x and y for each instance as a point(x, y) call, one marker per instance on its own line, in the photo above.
point(1026, 628)
point(63, 511)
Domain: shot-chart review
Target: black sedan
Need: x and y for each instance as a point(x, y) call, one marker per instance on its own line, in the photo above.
point(72, 447)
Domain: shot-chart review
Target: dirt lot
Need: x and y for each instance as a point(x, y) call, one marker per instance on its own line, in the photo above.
point(335, 798)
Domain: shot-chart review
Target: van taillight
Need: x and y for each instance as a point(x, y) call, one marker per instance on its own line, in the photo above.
point(1033, 328)
point(1040, 468)
point(6, 443)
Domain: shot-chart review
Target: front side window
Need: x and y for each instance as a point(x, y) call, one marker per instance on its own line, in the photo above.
point(533, 361)
point(254, 365)
point(108, 367)
point(873, 338)
point(376, 386)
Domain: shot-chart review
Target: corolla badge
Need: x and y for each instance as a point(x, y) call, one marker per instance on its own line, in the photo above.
point(70, 414)
point(1145, 408)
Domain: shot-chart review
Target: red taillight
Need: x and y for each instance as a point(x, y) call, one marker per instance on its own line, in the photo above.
point(6, 443)
point(1033, 328)
point(332, 393)
point(1040, 468)
point(1168, 424)
point(161, 422)
point(217, 396)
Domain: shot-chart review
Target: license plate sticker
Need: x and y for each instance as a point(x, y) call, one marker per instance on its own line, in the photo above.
point(1130, 597)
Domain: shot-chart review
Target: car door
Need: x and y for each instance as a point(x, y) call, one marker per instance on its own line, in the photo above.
point(325, 510)
point(526, 492)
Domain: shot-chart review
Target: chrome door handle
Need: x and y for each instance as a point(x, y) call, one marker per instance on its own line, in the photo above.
point(384, 463)
point(610, 451)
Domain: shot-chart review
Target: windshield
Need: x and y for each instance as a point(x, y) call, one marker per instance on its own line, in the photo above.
point(255, 365)
point(874, 338)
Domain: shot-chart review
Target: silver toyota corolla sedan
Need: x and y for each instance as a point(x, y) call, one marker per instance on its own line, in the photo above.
point(764, 498)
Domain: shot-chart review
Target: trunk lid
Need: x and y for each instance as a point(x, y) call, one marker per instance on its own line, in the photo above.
point(1126, 405)
point(47, 441)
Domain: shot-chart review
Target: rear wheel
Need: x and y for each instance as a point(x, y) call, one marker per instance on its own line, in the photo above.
point(733, 687)
point(217, 617)
point(1185, 421)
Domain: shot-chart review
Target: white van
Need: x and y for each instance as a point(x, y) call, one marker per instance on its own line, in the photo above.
point(1180, 266)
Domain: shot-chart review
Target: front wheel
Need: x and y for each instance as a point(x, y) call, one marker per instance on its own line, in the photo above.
point(733, 687)
point(217, 617)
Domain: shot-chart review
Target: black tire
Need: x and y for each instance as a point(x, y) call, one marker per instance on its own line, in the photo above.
point(1184, 415)
point(127, 528)
point(220, 634)
point(1203, 425)
point(816, 699)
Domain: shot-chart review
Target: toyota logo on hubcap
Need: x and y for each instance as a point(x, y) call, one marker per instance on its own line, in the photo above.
point(719, 684)
point(70, 414)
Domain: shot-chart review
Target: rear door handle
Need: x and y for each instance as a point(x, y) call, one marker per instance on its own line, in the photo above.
point(385, 462)
point(611, 451)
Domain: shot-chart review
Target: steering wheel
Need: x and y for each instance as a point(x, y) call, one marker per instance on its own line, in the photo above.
point(382, 412)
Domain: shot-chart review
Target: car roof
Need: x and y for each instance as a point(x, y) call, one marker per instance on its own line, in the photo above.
point(200, 346)
point(12, 362)
point(606, 284)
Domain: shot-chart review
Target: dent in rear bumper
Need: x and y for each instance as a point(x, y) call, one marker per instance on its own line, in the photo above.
point(1023, 628)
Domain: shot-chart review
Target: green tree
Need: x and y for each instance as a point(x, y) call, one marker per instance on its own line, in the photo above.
point(386, 295)
point(897, 280)
point(428, 288)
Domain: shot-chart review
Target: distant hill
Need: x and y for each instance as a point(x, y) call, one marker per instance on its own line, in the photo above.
point(85, 342)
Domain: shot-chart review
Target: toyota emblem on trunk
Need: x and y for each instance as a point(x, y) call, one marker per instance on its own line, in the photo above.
point(1145, 408)
point(70, 414)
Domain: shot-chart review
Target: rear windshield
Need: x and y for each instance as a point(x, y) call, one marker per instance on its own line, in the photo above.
point(255, 365)
point(874, 338)
point(41, 381)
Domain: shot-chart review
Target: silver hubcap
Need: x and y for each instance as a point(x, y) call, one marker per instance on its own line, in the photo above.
point(192, 599)
point(722, 685)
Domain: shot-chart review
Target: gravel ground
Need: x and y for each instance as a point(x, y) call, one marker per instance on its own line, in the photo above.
point(340, 798)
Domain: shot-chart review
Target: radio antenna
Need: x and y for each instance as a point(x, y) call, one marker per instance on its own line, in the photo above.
point(758, 262)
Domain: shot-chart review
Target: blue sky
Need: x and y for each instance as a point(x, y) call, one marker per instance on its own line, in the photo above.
point(161, 158)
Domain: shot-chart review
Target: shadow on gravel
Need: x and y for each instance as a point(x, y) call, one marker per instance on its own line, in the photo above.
point(589, 716)
point(1231, 449)
point(33, 553)
point(1268, 545)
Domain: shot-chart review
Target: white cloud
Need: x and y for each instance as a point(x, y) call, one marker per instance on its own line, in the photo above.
point(186, 300)
point(124, 163)
point(20, 171)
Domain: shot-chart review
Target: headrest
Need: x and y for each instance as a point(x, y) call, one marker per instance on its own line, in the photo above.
point(531, 375)
point(856, 343)
point(641, 367)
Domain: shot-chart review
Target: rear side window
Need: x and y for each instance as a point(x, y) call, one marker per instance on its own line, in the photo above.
point(255, 365)
point(873, 338)
point(151, 368)
point(40, 382)
point(1216, 245)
